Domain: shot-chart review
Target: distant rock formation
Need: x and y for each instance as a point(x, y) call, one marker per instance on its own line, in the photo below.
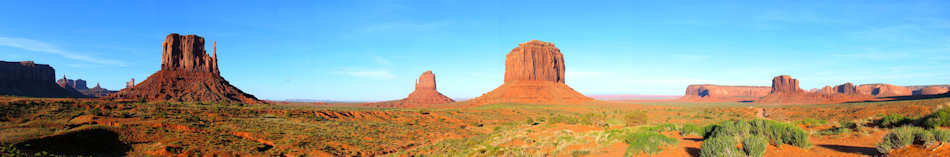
point(188, 74)
point(785, 90)
point(710, 92)
point(31, 80)
point(846, 88)
point(784, 84)
point(130, 84)
point(534, 73)
point(77, 84)
point(919, 89)
point(97, 91)
point(934, 90)
point(883, 90)
point(424, 94)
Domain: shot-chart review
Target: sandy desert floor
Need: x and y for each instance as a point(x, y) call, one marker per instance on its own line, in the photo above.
point(602, 128)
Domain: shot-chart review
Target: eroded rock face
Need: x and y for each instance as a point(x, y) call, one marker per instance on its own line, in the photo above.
point(883, 90)
point(187, 53)
point(934, 90)
point(188, 74)
point(709, 90)
point(785, 84)
point(130, 84)
point(77, 84)
point(32, 80)
point(846, 88)
point(536, 61)
point(534, 73)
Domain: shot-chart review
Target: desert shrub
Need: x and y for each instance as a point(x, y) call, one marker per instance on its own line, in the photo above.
point(893, 120)
point(837, 130)
point(720, 146)
point(647, 142)
point(690, 129)
point(809, 122)
point(776, 132)
point(662, 127)
point(941, 135)
point(940, 118)
point(580, 152)
point(566, 119)
point(635, 118)
point(903, 137)
point(780, 133)
point(754, 146)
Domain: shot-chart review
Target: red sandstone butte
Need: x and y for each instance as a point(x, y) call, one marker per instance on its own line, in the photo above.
point(534, 73)
point(424, 94)
point(188, 74)
point(785, 90)
point(883, 90)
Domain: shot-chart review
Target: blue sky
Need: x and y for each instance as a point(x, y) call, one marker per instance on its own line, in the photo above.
point(356, 50)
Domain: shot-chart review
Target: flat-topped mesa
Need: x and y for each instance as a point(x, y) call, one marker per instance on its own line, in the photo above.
point(32, 80)
point(785, 84)
point(934, 90)
point(883, 90)
point(426, 93)
point(712, 91)
point(535, 60)
point(187, 53)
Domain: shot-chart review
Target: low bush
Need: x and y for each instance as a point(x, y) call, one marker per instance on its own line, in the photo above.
point(940, 118)
point(893, 120)
point(754, 146)
point(906, 136)
point(941, 135)
point(635, 118)
point(647, 142)
point(768, 131)
point(720, 146)
point(690, 129)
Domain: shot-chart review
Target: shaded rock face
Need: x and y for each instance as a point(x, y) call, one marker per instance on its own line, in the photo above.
point(534, 73)
point(785, 84)
point(935, 90)
point(187, 74)
point(883, 90)
point(187, 53)
point(32, 80)
point(711, 91)
point(919, 90)
point(534, 60)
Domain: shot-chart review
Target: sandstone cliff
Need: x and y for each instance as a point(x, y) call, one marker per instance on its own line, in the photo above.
point(534, 73)
point(31, 80)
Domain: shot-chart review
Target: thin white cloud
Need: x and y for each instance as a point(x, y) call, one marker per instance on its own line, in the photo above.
point(38, 46)
point(369, 73)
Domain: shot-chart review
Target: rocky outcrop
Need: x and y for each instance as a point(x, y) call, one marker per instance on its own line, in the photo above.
point(883, 90)
point(31, 80)
point(77, 84)
point(130, 84)
point(424, 94)
point(534, 73)
point(934, 90)
point(785, 84)
point(919, 89)
point(97, 91)
point(188, 74)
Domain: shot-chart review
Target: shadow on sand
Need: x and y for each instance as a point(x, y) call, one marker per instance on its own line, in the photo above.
point(91, 142)
point(852, 149)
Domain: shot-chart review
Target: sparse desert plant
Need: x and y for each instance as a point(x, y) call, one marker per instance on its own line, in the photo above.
point(635, 118)
point(647, 142)
point(941, 135)
point(940, 118)
point(810, 123)
point(776, 132)
point(690, 129)
point(720, 146)
point(754, 146)
point(905, 136)
point(893, 120)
